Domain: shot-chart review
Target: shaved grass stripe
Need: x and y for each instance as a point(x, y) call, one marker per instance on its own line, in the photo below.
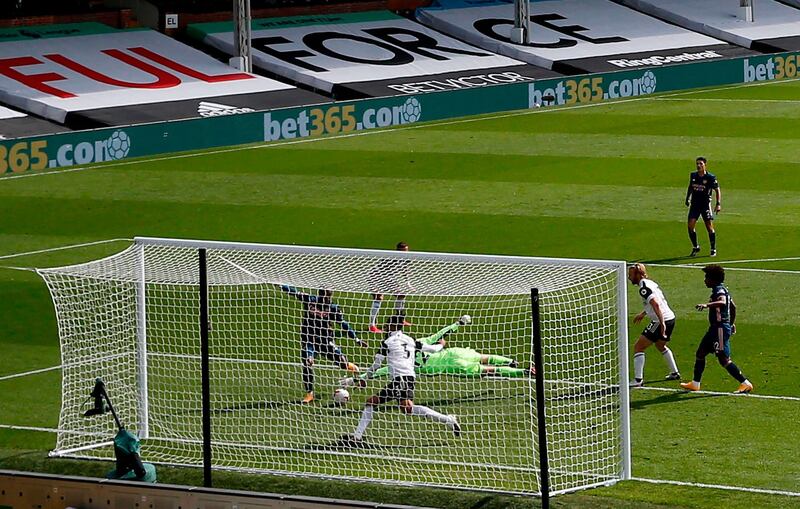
point(584, 145)
point(490, 198)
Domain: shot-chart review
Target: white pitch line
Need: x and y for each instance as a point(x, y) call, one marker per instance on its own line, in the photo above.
point(62, 248)
point(28, 428)
point(424, 125)
point(53, 430)
point(712, 393)
point(755, 260)
point(726, 87)
point(763, 491)
point(722, 262)
point(34, 372)
point(711, 99)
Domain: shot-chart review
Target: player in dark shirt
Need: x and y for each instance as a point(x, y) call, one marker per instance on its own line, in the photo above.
point(317, 334)
point(721, 318)
point(698, 199)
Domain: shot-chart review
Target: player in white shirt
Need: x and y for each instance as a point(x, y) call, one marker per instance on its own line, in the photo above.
point(399, 351)
point(659, 331)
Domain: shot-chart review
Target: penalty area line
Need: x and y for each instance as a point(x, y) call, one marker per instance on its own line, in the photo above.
point(713, 393)
point(712, 99)
point(763, 491)
point(28, 373)
point(28, 428)
point(722, 262)
point(755, 260)
point(63, 248)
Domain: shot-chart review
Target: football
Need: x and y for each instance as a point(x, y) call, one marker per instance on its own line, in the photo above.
point(341, 396)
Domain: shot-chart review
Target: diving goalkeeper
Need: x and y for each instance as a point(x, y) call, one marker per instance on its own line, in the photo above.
point(454, 361)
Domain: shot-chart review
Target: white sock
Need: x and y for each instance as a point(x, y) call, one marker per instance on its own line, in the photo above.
point(638, 366)
point(431, 414)
point(670, 360)
point(366, 418)
point(400, 304)
point(373, 312)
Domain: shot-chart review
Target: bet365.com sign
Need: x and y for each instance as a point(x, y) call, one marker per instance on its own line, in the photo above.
point(335, 119)
point(41, 154)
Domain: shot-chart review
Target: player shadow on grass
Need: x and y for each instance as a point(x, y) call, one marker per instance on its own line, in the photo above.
point(266, 405)
point(673, 259)
point(671, 397)
point(346, 443)
point(479, 397)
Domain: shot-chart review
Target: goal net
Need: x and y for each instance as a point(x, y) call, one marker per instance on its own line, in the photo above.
point(132, 319)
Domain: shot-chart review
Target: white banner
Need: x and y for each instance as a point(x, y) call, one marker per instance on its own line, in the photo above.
point(726, 19)
point(560, 29)
point(349, 48)
point(52, 77)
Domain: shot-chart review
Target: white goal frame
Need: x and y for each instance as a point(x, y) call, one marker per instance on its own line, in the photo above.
point(140, 421)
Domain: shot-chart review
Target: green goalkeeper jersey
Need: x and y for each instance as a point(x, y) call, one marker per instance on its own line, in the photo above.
point(456, 361)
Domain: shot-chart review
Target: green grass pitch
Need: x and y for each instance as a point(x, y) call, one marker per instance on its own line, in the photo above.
point(600, 182)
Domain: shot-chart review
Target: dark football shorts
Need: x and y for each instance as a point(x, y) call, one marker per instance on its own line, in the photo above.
point(400, 388)
point(653, 330)
point(696, 211)
point(716, 335)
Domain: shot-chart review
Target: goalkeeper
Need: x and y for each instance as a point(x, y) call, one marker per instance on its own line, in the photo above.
point(454, 361)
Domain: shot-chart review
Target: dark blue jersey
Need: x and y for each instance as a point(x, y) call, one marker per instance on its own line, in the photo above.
point(700, 188)
point(719, 315)
point(319, 317)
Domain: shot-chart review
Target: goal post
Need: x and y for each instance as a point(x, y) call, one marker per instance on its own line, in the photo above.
point(134, 320)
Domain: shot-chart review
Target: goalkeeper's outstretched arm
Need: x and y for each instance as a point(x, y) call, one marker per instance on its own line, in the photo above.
point(297, 294)
point(446, 331)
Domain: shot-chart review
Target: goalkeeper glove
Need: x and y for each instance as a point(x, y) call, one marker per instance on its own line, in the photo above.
point(465, 320)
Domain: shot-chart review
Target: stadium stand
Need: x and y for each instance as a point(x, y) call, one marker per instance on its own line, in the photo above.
point(90, 75)
point(776, 26)
point(600, 36)
point(14, 124)
point(369, 54)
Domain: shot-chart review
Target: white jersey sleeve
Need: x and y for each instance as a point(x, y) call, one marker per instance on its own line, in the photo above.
point(649, 291)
